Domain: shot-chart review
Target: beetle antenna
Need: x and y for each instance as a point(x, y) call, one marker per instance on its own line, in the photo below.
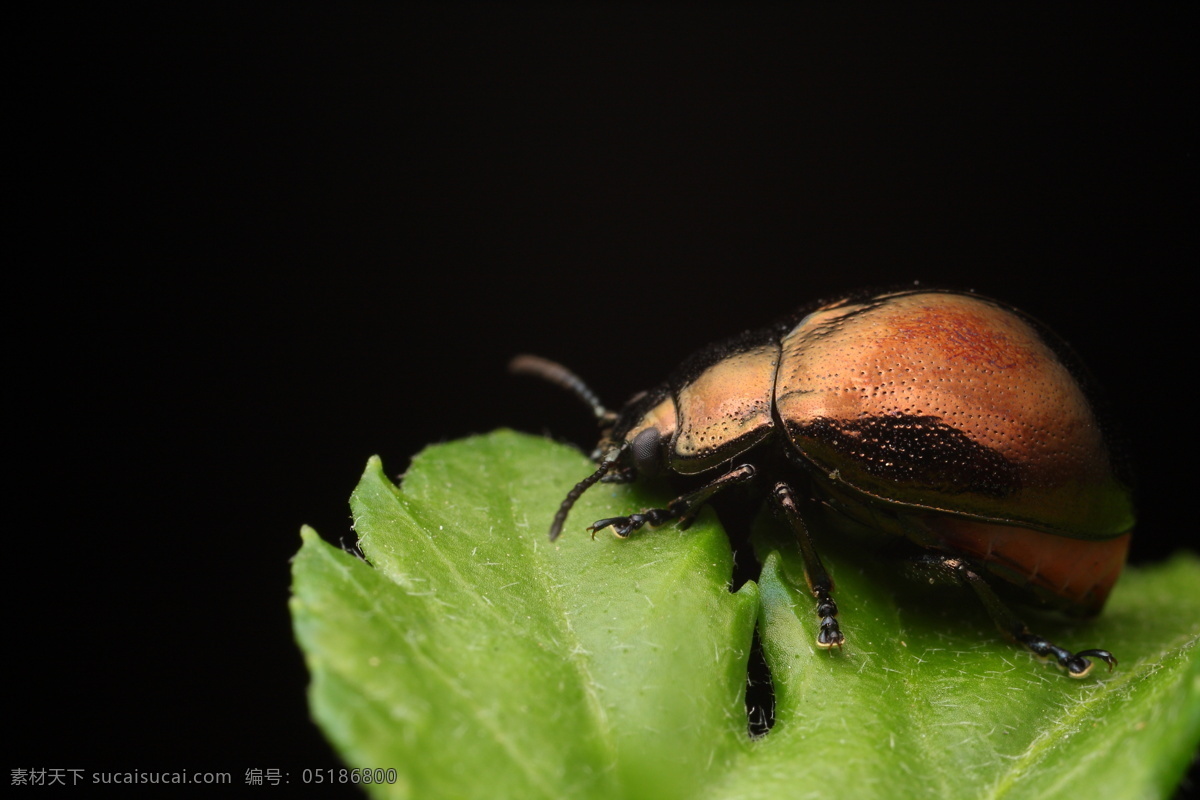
point(606, 463)
point(559, 375)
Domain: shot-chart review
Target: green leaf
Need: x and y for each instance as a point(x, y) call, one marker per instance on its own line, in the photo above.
point(480, 660)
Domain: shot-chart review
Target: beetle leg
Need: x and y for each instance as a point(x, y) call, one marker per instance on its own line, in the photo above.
point(684, 508)
point(1077, 665)
point(689, 505)
point(819, 582)
point(623, 526)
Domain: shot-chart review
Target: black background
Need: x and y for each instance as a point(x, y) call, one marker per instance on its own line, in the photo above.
point(269, 243)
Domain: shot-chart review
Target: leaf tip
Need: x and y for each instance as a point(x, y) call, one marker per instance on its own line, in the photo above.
point(308, 534)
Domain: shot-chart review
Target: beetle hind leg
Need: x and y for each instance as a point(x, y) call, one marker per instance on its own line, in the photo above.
point(819, 582)
point(684, 508)
point(1077, 665)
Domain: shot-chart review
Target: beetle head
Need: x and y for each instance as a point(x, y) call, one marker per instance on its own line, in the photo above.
point(633, 442)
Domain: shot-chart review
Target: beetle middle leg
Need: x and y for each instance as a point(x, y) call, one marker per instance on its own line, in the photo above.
point(959, 571)
point(684, 508)
point(819, 582)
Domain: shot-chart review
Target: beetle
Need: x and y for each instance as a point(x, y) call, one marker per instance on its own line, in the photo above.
point(943, 420)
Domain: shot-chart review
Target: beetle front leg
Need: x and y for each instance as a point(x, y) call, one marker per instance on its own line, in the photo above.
point(684, 508)
point(819, 582)
point(1077, 665)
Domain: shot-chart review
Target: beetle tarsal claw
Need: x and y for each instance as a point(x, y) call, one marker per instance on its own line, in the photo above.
point(830, 635)
point(622, 526)
point(1079, 667)
point(1085, 666)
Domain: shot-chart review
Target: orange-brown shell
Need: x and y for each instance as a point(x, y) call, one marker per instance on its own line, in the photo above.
point(725, 409)
point(949, 402)
point(1081, 571)
point(945, 407)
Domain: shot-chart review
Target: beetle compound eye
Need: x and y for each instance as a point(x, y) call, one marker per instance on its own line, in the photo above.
point(647, 452)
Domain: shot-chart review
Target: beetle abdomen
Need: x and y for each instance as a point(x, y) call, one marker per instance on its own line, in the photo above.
point(1081, 572)
point(952, 403)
